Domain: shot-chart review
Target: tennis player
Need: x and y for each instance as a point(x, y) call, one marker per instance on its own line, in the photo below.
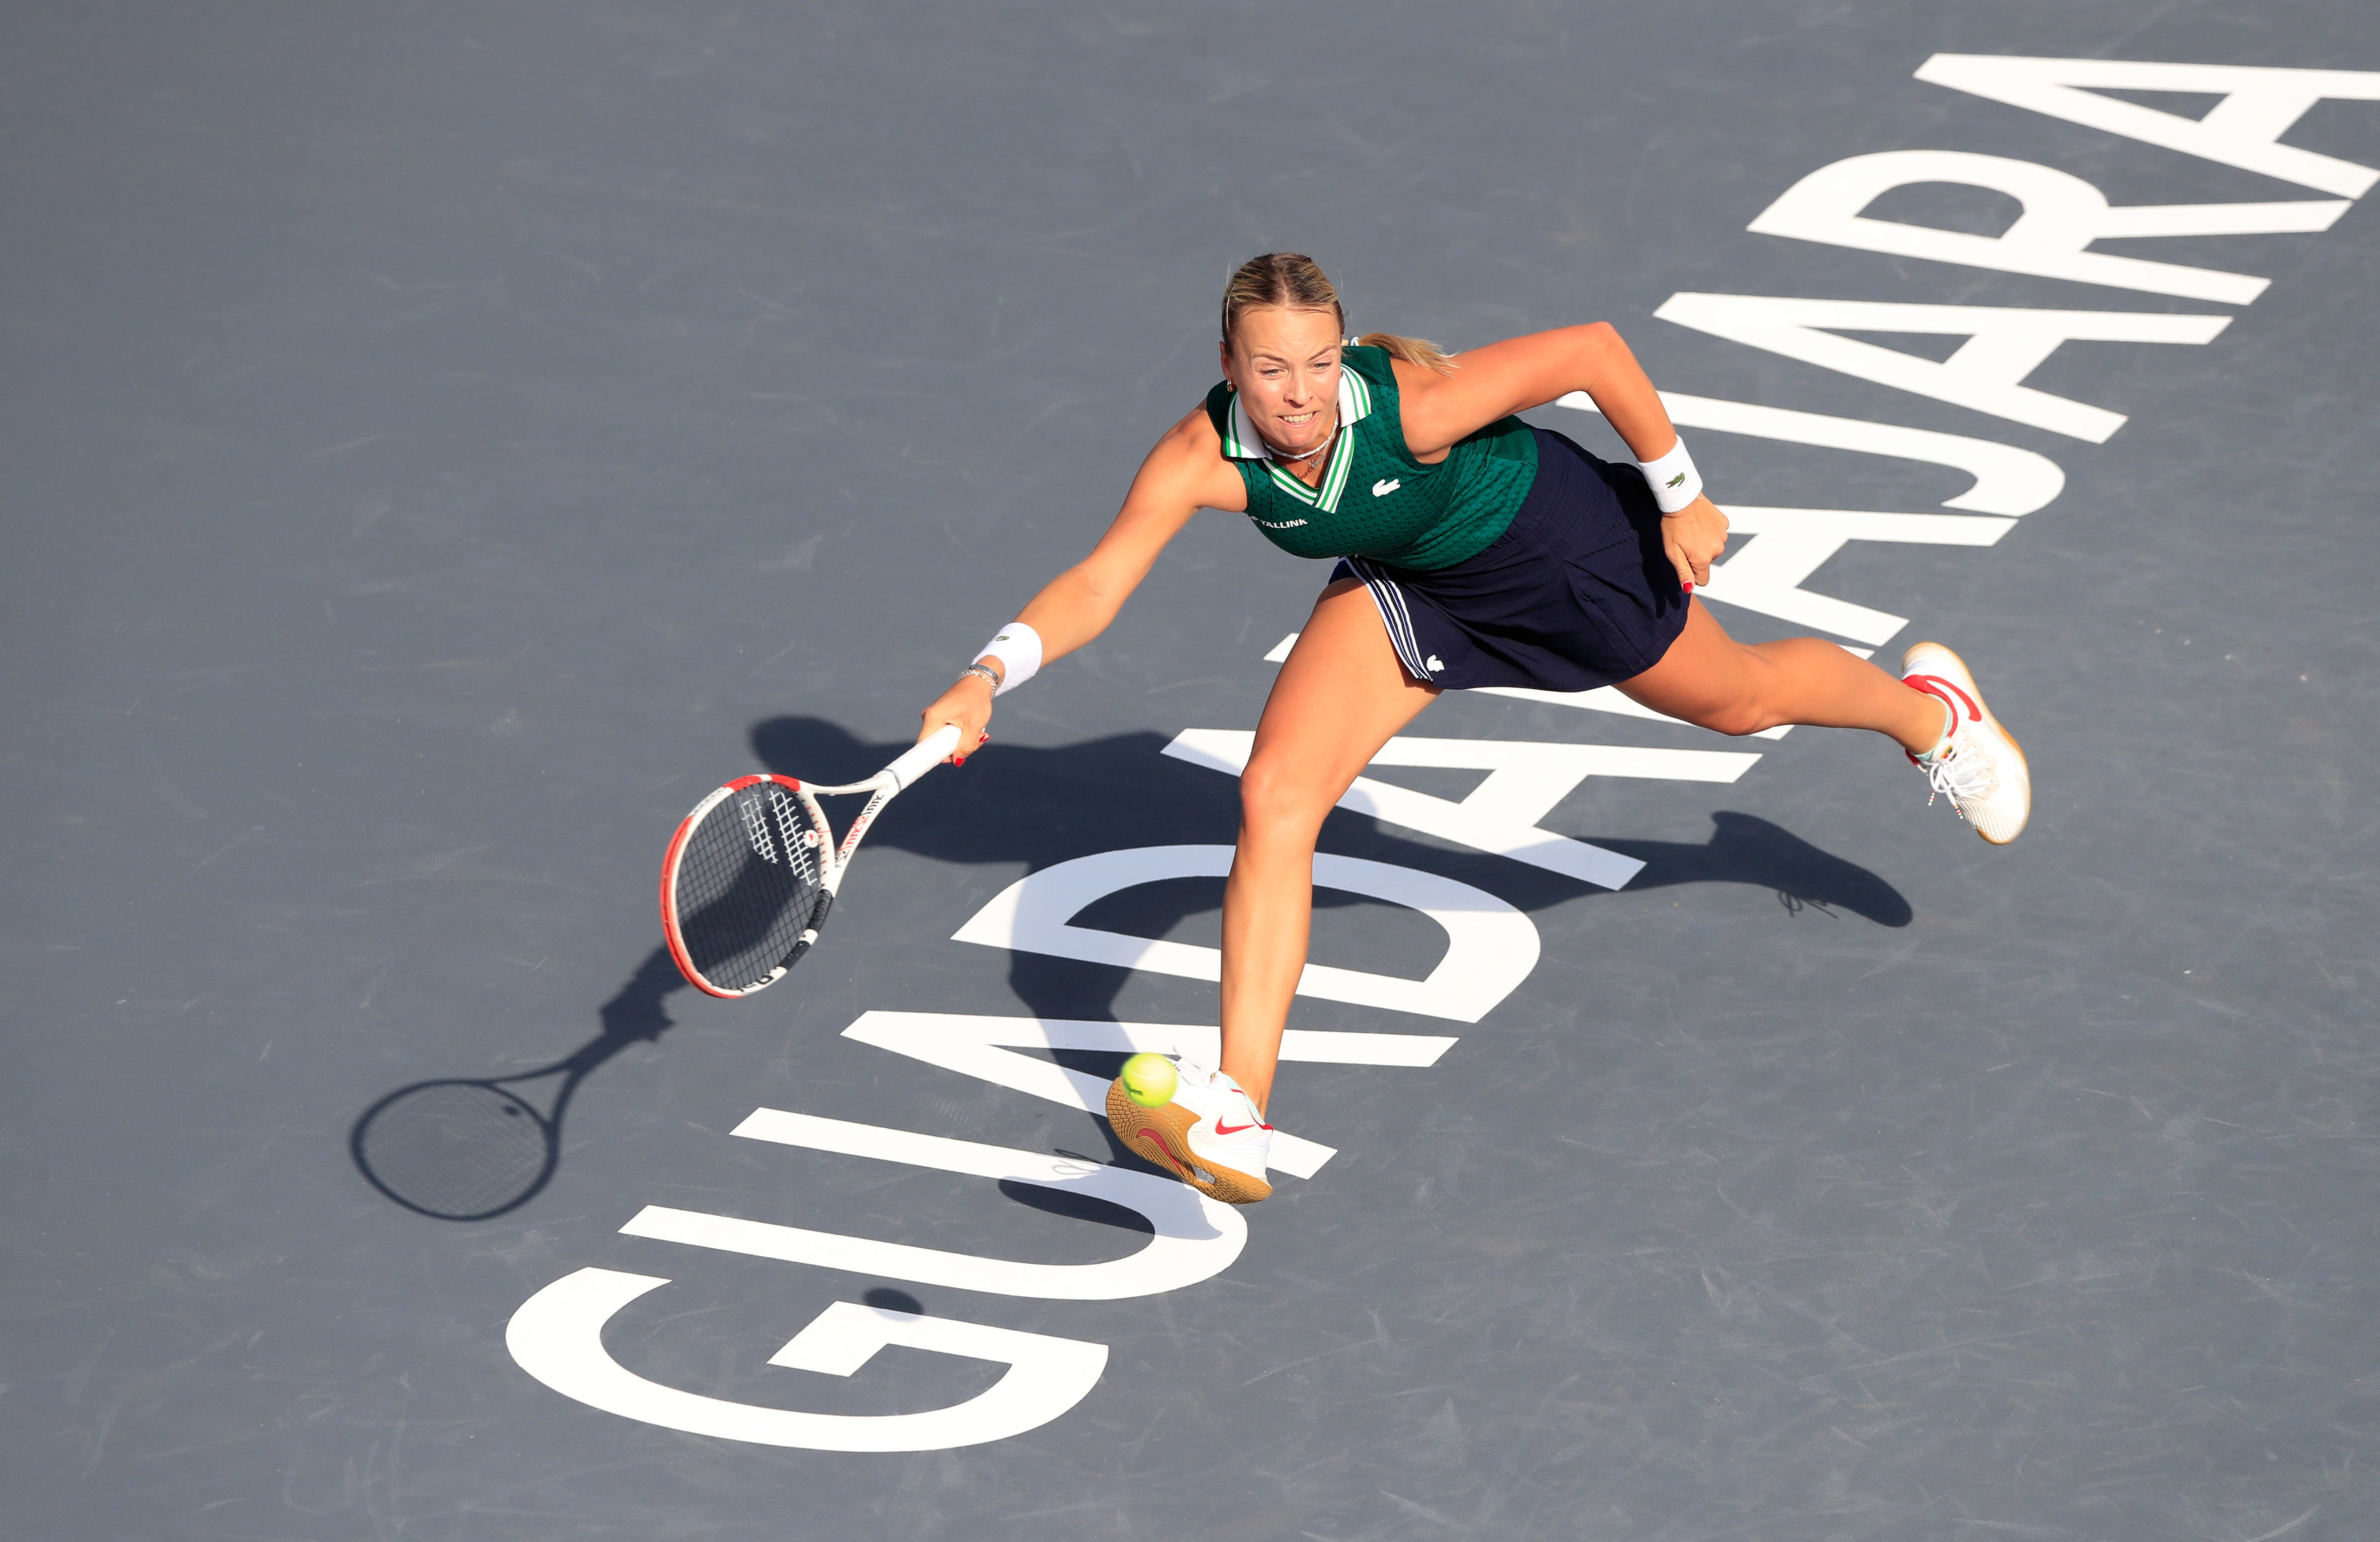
point(1475, 550)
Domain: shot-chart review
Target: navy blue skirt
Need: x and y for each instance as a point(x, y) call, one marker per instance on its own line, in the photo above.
point(1577, 593)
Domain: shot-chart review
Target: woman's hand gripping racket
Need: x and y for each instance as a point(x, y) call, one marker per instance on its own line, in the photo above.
point(753, 870)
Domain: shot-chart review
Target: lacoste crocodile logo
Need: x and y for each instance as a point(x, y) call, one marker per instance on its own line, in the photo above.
point(1382, 488)
point(1676, 482)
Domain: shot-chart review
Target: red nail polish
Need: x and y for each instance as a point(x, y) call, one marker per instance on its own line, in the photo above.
point(958, 759)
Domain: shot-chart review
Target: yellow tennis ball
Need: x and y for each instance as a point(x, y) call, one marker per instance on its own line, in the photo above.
point(1149, 1081)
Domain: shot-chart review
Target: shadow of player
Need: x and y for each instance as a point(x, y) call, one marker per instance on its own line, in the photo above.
point(1019, 806)
point(1014, 805)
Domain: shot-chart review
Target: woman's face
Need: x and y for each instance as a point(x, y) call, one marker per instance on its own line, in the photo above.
point(1284, 363)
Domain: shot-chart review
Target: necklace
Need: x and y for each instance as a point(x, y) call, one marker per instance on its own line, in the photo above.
point(1288, 459)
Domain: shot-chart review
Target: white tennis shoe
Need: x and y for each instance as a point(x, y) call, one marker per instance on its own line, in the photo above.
point(1210, 1135)
point(1978, 765)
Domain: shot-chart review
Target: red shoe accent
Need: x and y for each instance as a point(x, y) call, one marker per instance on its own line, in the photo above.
point(1221, 1129)
point(1934, 685)
point(1163, 1156)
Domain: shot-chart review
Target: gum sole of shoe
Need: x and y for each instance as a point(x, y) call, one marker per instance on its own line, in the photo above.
point(1998, 727)
point(1163, 1136)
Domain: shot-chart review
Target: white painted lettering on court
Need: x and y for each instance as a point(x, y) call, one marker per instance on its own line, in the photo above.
point(2260, 103)
point(2063, 215)
point(558, 1337)
point(985, 1048)
point(1788, 545)
point(1491, 947)
point(2007, 480)
point(1526, 779)
point(2004, 345)
point(1195, 1238)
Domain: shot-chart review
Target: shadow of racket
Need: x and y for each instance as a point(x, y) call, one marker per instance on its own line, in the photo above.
point(467, 1149)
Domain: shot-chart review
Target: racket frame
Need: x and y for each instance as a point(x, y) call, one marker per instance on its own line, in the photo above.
point(834, 857)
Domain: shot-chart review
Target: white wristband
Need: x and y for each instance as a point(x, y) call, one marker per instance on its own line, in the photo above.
point(1018, 649)
point(1675, 483)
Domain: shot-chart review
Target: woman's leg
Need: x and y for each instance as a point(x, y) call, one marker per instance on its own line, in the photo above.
point(1340, 697)
point(1710, 678)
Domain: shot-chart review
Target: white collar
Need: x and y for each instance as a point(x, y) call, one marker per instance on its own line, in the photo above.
point(1242, 442)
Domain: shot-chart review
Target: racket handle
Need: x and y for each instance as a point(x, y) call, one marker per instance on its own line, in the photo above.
point(928, 754)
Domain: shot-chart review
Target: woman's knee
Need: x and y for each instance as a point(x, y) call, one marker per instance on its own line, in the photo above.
point(1280, 801)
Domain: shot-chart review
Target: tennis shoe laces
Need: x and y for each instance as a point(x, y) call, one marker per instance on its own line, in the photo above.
point(1976, 764)
point(1210, 1135)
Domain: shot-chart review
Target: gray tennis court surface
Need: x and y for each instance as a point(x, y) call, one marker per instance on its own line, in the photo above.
point(441, 442)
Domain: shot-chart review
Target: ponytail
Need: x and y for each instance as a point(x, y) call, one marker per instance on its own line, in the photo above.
point(1412, 350)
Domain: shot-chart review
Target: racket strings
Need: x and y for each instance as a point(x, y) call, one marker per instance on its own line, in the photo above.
point(802, 842)
point(756, 828)
point(749, 879)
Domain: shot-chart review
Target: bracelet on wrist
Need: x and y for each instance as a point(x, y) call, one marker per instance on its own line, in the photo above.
point(987, 671)
point(1018, 649)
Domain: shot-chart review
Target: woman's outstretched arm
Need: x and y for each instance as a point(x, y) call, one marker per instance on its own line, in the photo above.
point(1185, 473)
point(1502, 378)
point(1486, 384)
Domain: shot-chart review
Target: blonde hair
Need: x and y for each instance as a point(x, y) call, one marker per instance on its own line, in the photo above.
point(1296, 282)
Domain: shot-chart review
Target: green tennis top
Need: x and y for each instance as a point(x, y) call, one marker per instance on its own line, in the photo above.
point(1375, 499)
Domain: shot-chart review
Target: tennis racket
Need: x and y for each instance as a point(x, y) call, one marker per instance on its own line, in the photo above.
point(753, 870)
